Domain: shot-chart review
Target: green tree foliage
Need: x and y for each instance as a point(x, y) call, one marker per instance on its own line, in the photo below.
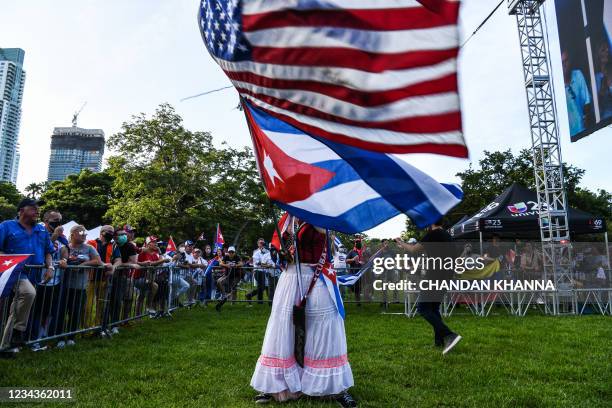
point(498, 170)
point(82, 197)
point(9, 198)
point(10, 193)
point(171, 181)
point(36, 190)
point(7, 210)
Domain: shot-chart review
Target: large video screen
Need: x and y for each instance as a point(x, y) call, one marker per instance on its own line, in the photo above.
point(585, 34)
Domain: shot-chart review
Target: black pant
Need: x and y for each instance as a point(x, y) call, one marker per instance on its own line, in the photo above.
point(45, 305)
point(73, 303)
point(116, 292)
point(272, 283)
point(261, 286)
point(431, 312)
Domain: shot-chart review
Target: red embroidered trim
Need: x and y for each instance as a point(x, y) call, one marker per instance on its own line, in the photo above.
point(277, 362)
point(326, 363)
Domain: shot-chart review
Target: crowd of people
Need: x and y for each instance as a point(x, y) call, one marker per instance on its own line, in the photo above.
point(70, 285)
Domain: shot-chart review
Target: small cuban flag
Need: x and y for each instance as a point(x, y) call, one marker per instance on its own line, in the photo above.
point(213, 262)
point(219, 241)
point(328, 276)
point(10, 269)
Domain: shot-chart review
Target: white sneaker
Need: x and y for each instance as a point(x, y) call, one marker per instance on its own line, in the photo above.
point(60, 344)
point(37, 347)
point(450, 342)
point(70, 343)
point(115, 330)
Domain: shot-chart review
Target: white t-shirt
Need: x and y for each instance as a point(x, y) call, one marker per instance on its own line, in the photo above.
point(198, 273)
point(340, 262)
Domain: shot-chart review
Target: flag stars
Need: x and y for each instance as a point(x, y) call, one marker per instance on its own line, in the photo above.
point(221, 28)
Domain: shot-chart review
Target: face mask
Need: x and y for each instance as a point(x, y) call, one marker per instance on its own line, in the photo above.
point(108, 236)
point(54, 224)
point(122, 239)
point(358, 245)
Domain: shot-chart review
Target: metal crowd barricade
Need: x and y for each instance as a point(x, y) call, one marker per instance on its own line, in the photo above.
point(83, 299)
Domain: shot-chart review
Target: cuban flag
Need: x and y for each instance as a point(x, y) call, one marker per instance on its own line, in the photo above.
point(351, 278)
point(10, 268)
point(213, 262)
point(328, 276)
point(171, 247)
point(340, 187)
point(219, 241)
point(337, 242)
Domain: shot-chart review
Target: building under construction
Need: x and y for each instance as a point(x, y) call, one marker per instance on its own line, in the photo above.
point(74, 149)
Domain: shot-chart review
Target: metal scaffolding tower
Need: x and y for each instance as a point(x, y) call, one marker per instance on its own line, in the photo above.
point(546, 153)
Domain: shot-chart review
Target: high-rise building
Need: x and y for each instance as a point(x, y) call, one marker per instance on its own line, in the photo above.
point(12, 80)
point(74, 149)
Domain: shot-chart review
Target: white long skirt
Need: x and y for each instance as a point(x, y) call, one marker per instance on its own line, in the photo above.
point(326, 368)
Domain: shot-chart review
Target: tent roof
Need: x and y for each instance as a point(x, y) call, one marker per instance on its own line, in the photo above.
point(515, 213)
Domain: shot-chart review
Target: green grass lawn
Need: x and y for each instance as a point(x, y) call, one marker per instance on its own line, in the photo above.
point(205, 359)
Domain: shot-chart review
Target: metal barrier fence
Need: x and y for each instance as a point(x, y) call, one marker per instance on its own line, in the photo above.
point(81, 300)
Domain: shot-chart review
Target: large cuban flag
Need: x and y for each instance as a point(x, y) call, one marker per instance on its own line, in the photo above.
point(341, 187)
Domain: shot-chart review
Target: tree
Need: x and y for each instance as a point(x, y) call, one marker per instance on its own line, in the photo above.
point(82, 197)
point(170, 180)
point(498, 170)
point(9, 199)
point(36, 190)
point(10, 193)
point(7, 210)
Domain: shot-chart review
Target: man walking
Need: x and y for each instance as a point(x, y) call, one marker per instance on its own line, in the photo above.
point(437, 243)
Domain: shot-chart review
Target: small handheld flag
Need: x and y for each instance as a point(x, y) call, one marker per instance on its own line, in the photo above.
point(219, 241)
point(171, 247)
point(10, 268)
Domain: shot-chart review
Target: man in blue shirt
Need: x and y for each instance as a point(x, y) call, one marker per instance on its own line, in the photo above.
point(577, 96)
point(25, 236)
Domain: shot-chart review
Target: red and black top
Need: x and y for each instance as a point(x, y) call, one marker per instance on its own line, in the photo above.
point(311, 243)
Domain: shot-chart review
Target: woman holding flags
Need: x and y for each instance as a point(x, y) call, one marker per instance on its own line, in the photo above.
point(304, 350)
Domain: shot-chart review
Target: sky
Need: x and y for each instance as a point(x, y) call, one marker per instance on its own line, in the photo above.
point(124, 57)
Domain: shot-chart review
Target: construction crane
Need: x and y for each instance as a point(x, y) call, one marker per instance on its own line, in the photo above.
point(75, 116)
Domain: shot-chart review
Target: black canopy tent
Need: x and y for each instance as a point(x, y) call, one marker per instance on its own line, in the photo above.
point(514, 214)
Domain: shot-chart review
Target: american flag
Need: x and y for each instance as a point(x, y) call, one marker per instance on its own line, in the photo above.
point(380, 75)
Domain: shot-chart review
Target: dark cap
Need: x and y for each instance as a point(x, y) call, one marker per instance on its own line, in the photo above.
point(29, 202)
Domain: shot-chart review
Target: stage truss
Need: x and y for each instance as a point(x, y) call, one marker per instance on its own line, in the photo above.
point(546, 153)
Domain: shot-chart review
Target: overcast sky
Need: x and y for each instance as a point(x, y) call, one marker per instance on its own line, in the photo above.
point(128, 56)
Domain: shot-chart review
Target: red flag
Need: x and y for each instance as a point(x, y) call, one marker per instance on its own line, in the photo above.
point(171, 247)
point(283, 224)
